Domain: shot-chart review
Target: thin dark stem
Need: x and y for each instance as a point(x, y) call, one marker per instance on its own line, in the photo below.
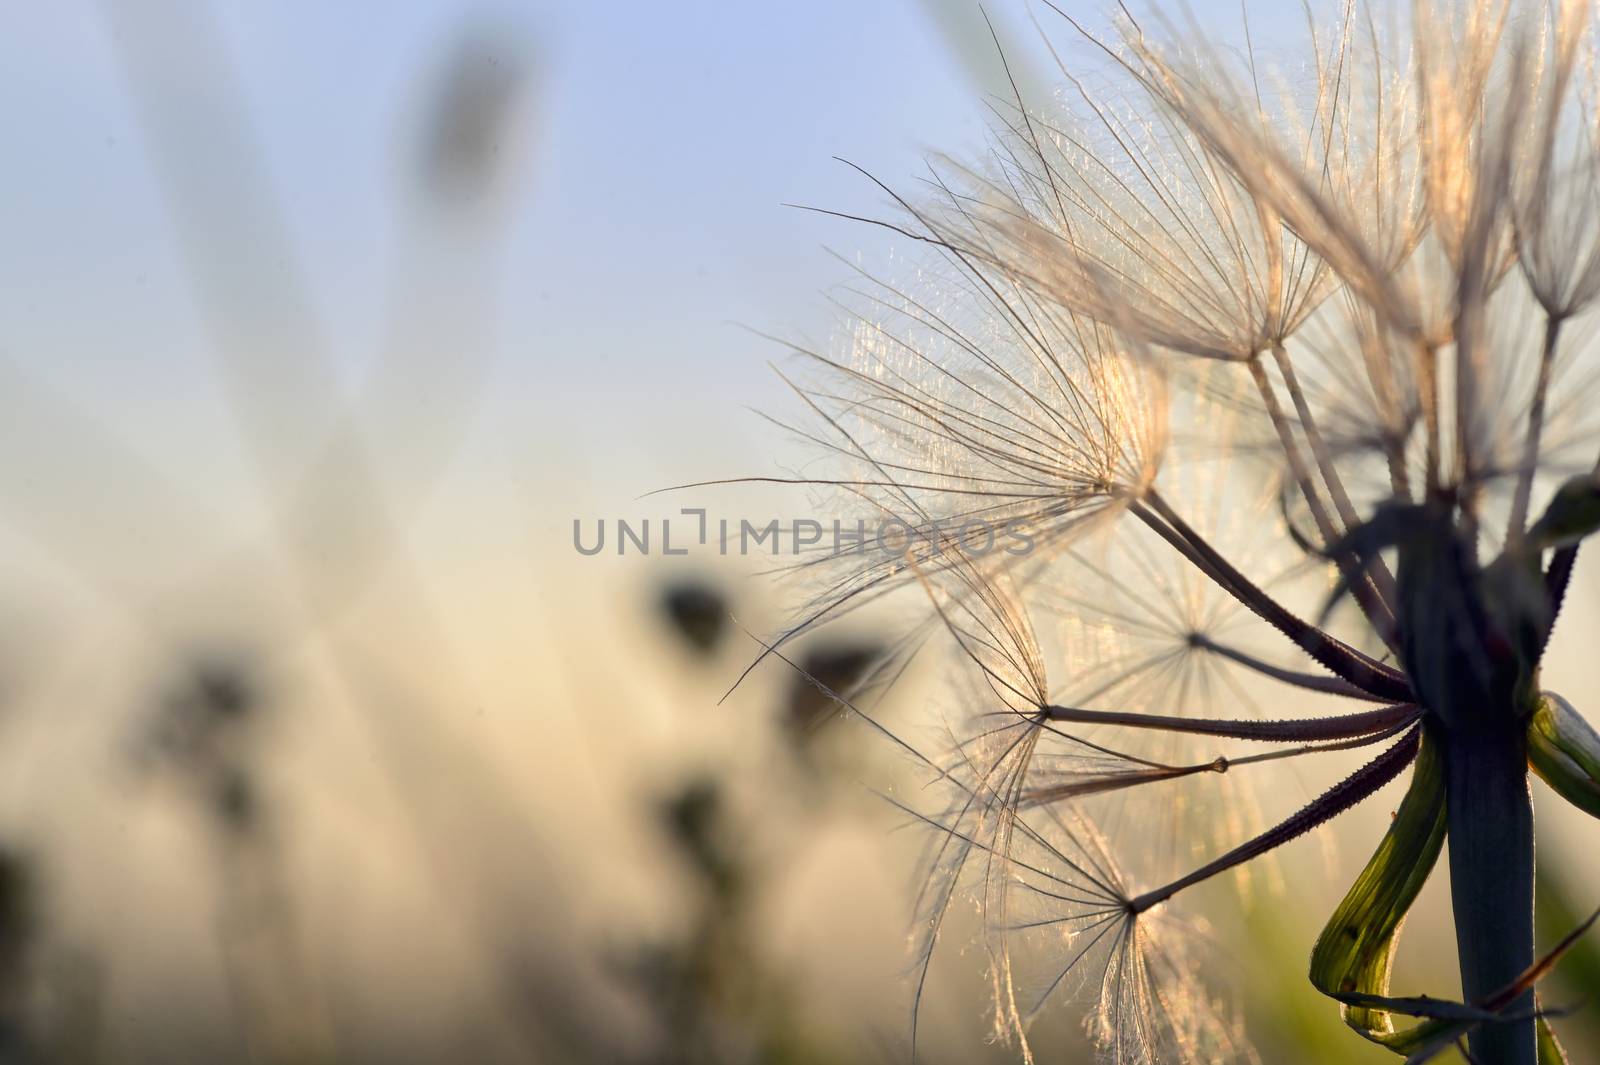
point(1559, 575)
point(1395, 429)
point(1131, 778)
point(1556, 579)
point(1105, 782)
point(1395, 458)
point(1309, 729)
point(1291, 452)
point(1530, 447)
point(1430, 414)
point(1469, 475)
point(1330, 804)
point(1319, 446)
point(1382, 606)
point(1316, 682)
point(1334, 655)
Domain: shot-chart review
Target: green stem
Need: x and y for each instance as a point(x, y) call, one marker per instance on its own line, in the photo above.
point(1491, 880)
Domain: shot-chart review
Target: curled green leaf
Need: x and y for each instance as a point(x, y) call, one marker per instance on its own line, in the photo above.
point(1354, 954)
point(1451, 1022)
point(1573, 514)
point(1565, 751)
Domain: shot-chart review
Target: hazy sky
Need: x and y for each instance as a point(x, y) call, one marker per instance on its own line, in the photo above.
point(646, 216)
point(598, 350)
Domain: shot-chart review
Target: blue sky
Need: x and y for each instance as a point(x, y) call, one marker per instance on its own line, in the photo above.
point(643, 221)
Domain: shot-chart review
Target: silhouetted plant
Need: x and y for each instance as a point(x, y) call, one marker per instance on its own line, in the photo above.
point(827, 672)
point(717, 999)
point(698, 613)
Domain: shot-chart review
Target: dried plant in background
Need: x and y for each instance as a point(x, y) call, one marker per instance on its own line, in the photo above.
point(1371, 277)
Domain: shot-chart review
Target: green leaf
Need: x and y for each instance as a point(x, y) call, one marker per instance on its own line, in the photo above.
point(1354, 954)
point(1573, 514)
point(1550, 1052)
point(1565, 751)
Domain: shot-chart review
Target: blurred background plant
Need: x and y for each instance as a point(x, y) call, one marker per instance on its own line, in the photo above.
point(319, 324)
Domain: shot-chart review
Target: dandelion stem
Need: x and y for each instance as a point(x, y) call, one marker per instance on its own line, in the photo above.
point(1394, 454)
point(1130, 778)
point(1330, 804)
point(1344, 726)
point(1362, 587)
point(1530, 447)
point(1377, 570)
point(1428, 359)
point(1491, 880)
point(1337, 657)
point(1291, 451)
point(1315, 682)
point(1469, 479)
point(1557, 577)
point(1319, 446)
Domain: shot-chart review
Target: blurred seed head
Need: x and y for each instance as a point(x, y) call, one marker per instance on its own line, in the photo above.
point(472, 124)
point(203, 730)
point(836, 666)
point(697, 612)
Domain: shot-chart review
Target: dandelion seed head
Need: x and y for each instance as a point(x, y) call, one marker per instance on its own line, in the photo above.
point(1236, 344)
point(1557, 193)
